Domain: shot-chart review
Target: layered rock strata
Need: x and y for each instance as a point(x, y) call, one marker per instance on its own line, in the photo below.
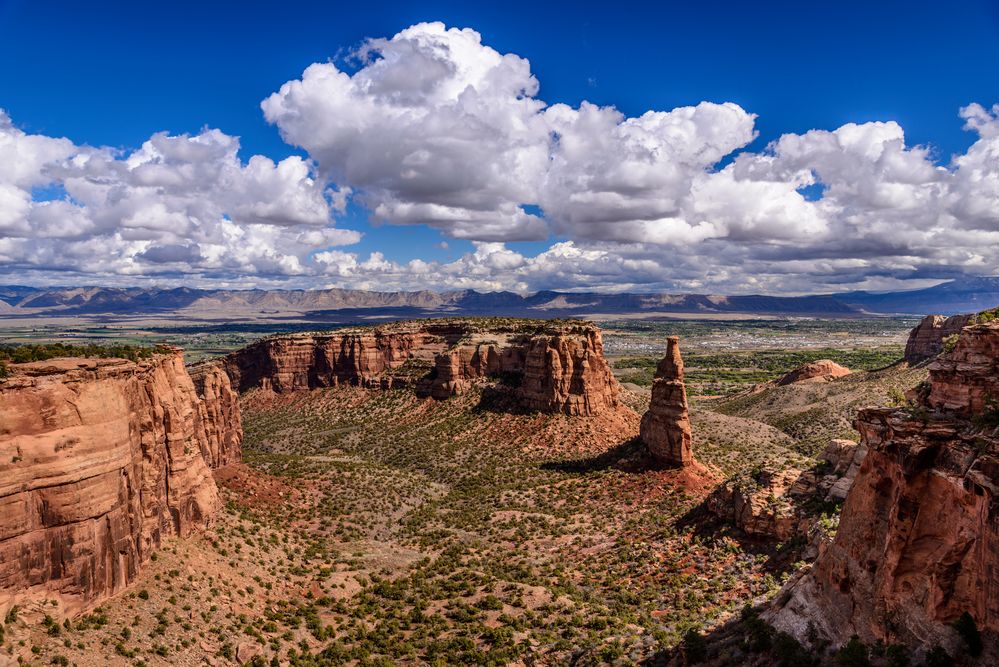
point(220, 414)
point(917, 544)
point(927, 339)
point(775, 504)
point(665, 427)
point(100, 459)
point(554, 367)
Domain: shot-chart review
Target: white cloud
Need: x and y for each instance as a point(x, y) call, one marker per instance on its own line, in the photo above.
point(178, 204)
point(433, 127)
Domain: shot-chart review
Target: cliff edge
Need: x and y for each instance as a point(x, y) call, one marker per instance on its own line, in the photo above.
point(100, 459)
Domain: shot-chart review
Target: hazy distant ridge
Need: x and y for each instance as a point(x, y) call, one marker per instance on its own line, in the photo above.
point(947, 298)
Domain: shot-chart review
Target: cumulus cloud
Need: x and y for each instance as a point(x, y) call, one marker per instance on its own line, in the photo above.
point(434, 127)
point(178, 204)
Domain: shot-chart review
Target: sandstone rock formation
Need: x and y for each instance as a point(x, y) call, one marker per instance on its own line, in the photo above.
point(917, 544)
point(549, 366)
point(99, 460)
point(219, 412)
point(764, 505)
point(844, 458)
point(774, 504)
point(368, 357)
point(822, 370)
point(927, 339)
point(665, 428)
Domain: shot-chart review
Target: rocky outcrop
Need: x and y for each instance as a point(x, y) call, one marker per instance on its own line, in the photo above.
point(843, 458)
point(555, 367)
point(100, 459)
point(764, 504)
point(917, 544)
point(220, 415)
point(927, 339)
point(776, 504)
point(567, 372)
point(822, 370)
point(371, 357)
point(665, 428)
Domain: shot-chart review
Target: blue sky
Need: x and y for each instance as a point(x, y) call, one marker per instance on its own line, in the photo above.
point(112, 74)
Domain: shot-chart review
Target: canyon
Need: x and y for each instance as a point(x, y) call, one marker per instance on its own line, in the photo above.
point(100, 460)
point(917, 541)
point(515, 432)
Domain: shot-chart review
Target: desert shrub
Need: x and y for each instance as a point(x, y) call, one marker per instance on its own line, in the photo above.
point(758, 632)
point(986, 316)
point(938, 657)
point(965, 626)
point(20, 354)
point(695, 649)
point(853, 654)
point(790, 653)
point(897, 655)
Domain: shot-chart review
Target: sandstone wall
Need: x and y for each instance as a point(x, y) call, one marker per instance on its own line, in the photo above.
point(220, 414)
point(308, 361)
point(99, 460)
point(917, 542)
point(926, 340)
point(550, 368)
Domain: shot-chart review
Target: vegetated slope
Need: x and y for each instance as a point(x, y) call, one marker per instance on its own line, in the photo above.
point(815, 413)
point(380, 525)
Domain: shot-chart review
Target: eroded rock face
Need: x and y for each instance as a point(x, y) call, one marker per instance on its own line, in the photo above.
point(369, 358)
point(822, 370)
point(99, 460)
point(567, 372)
point(220, 414)
point(927, 339)
point(548, 367)
point(775, 504)
point(665, 428)
point(845, 458)
point(917, 542)
point(764, 506)
point(965, 382)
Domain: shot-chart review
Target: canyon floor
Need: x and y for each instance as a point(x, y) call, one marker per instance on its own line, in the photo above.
point(375, 527)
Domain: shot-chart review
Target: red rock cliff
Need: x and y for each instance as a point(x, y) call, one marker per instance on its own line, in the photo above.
point(99, 460)
point(917, 543)
point(553, 366)
point(926, 340)
point(367, 357)
point(219, 412)
point(665, 426)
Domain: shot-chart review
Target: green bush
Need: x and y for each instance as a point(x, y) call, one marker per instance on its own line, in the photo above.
point(695, 649)
point(938, 657)
point(965, 626)
point(853, 654)
point(20, 354)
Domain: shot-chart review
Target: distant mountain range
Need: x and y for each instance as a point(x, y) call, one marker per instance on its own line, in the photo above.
point(342, 305)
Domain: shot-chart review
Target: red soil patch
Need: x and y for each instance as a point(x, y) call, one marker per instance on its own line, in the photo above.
point(255, 488)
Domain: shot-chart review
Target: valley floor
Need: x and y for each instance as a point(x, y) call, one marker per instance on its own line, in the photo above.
point(375, 527)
